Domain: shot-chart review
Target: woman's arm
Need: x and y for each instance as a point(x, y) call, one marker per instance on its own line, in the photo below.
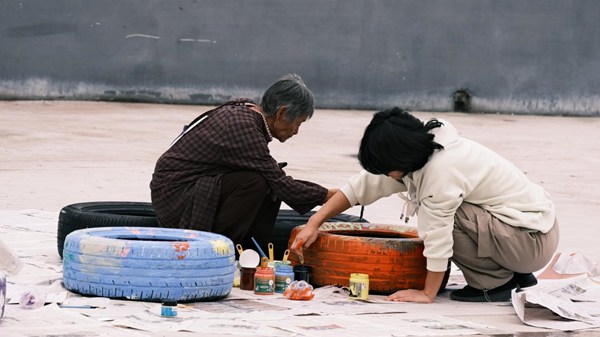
point(307, 236)
point(364, 188)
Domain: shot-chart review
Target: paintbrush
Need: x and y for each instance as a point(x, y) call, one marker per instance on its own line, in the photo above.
point(86, 306)
point(258, 247)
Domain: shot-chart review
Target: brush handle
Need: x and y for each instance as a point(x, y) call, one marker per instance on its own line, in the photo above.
point(239, 248)
point(286, 253)
point(271, 253)
point(258, 247)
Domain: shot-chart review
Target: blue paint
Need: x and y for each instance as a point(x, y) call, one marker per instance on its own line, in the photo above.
point(151, 270)
point(284, 276)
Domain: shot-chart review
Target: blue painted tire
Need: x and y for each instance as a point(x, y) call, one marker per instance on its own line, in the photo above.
point(148, 264)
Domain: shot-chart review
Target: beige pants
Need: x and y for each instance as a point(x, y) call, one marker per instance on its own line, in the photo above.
point(488, 251)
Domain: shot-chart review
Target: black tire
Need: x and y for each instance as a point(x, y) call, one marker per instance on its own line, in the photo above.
point(103, 214)
point(141, 214)
point(287, 220)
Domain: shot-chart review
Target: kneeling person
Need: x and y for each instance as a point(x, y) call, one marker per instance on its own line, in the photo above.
point(219, 176)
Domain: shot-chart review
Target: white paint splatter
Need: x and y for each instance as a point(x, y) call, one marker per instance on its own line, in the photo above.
point(197, 40)
point(142, 36)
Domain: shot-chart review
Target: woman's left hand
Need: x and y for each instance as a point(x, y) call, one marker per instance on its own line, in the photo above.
point(433, 281)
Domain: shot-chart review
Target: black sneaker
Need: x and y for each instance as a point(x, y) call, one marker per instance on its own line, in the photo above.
point(498, 294)
point(525, 280)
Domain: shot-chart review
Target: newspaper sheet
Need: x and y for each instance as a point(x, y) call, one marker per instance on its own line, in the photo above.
point(569, 299)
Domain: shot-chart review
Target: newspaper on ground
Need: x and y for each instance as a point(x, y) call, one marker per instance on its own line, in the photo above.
point(569, 299)
point(31, 235)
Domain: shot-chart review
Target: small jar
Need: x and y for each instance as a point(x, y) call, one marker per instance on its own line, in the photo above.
point(247, 278)
point(284, 275)
point(302, 273)
point(359, 286)
point(168, 309)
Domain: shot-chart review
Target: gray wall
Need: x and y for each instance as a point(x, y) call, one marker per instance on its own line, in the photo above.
point(534, 56)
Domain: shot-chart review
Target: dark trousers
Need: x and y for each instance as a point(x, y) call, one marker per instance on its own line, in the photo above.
point(246, 209)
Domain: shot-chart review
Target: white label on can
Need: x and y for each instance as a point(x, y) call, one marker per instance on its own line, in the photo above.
point(359, 290)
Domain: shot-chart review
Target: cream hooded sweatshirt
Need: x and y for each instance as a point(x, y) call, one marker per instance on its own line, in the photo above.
point(464, 171)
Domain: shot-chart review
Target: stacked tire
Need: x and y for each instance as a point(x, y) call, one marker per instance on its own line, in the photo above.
point(116, 249)
point(148, 264)
point(392, 256)
point(141, 214)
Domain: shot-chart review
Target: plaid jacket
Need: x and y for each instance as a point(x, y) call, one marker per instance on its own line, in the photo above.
point(186, 184)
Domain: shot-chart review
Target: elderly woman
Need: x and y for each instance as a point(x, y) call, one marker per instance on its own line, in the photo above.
point(219, 176)
point(473, 206)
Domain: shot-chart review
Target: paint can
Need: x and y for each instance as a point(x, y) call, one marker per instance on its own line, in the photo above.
point(264, 279)
point(302, 273)
point(168, 309)
point(359, 286)
point(284, 275)
point(247, 278)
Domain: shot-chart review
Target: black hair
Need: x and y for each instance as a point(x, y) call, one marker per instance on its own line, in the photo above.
point(395, 140)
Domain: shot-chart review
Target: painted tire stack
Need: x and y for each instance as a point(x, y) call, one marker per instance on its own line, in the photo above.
point(148, 264)
point(141, 214)
point(392, 256)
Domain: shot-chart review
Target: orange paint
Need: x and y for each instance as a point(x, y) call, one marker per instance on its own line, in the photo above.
point(181, 247)
point(392, 256)
point(299, 245)
point(135, 231)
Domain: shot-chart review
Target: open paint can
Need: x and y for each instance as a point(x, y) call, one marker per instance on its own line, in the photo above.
point(302, 273)
point(359, 286)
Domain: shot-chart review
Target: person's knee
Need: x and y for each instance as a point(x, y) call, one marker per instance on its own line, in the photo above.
point(256, 182)
point(246, 187)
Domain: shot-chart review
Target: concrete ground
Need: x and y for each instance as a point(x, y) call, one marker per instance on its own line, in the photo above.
point(55, 153)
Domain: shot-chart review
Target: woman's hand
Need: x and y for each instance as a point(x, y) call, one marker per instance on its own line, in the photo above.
point(410, 295)
point(433, 281)
point(336, 204)
point(307, 236)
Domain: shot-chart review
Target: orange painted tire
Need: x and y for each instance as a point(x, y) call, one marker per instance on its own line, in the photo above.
point(392, 256)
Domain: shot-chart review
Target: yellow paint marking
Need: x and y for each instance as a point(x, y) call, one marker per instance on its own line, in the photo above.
point(221, 247)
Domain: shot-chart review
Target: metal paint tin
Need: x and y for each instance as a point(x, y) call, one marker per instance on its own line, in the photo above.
point(264, 281)
point(168, 309)
point(302, 273)
point(284, 275)
point(359, 286)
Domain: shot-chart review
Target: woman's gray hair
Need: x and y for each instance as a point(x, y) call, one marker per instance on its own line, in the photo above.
point(290, 91)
